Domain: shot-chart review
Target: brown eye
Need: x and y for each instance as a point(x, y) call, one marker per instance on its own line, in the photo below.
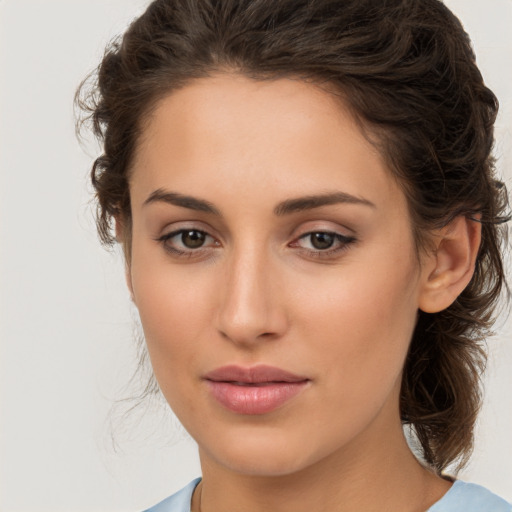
point(189, 242)
point(193, 239)
point(322, 240)
point(323, 244)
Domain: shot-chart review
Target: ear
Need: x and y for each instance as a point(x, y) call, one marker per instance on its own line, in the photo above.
point(120, 231)
point(450, 266)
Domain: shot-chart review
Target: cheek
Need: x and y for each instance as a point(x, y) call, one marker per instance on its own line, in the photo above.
point(174, 310)
point(173, 332)
point(362, 322)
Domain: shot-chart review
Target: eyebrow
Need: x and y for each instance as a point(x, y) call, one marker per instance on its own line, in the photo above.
point(192, 203)
point(317, 201)
point(284, 208)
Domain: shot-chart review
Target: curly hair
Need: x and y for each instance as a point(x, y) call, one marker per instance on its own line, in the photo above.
point(407, 71)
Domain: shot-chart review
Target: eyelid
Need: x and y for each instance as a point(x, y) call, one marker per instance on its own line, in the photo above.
point(341, 244)
point(335, 234)
point(186, 252)
point(186, 225)
point(182, 224)
point(323, 225)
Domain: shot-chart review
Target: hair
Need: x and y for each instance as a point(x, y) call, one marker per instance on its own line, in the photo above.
point(407, 71)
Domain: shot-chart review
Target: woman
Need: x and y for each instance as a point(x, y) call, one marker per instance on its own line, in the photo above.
point(306, 198)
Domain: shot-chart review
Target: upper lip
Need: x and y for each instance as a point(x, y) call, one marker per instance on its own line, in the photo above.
point(252, 375)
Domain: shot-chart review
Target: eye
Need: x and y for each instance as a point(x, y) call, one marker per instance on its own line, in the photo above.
point(187, 241)
point(323, 243)
point(192, 239)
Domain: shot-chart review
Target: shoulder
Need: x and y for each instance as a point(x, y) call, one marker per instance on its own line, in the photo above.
point(465, 497)
point(178, 502)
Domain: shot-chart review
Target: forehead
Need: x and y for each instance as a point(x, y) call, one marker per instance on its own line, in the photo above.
point(217, 105)
point(280, 136)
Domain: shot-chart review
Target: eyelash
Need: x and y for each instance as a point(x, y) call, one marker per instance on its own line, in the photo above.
point(190, 253)
point(341, 242)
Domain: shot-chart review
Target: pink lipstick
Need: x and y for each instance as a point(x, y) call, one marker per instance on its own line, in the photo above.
point(256, 390)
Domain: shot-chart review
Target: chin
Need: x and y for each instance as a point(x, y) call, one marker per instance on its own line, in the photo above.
point(264, 454)
point(263, 464)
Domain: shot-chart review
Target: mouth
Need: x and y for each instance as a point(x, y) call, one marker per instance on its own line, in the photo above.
point(256, 390)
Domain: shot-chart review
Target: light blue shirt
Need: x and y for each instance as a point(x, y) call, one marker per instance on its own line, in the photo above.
point(462, 497)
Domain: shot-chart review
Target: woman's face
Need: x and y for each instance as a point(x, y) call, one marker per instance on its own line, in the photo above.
point(274, 269)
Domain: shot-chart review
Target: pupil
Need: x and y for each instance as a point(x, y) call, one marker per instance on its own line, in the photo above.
point(322, 240)
point(193, 239)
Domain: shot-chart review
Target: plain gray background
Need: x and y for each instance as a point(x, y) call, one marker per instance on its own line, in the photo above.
point(66, 322)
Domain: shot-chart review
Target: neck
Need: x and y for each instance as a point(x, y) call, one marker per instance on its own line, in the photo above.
point(371, 476)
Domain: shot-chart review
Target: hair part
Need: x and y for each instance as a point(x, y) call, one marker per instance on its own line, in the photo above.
point(407, 71)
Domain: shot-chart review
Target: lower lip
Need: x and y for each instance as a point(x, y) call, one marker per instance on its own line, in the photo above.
point(254, 399)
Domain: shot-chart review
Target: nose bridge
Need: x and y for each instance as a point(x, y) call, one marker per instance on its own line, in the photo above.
point(249, 307)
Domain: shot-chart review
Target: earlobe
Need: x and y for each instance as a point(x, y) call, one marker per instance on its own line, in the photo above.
point(450, 267)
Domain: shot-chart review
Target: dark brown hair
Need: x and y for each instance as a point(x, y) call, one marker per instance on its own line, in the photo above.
point(407, 71)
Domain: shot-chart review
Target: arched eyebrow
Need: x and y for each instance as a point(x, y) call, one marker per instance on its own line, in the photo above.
point(190, 202)
point(316, 201)
point(284, 208)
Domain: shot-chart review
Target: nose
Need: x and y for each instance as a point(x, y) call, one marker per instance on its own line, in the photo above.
point(250, 308)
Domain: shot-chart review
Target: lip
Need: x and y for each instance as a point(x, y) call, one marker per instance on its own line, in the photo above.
point(256, 390)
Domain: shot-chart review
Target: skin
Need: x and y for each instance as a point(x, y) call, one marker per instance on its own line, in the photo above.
point(259, 292)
